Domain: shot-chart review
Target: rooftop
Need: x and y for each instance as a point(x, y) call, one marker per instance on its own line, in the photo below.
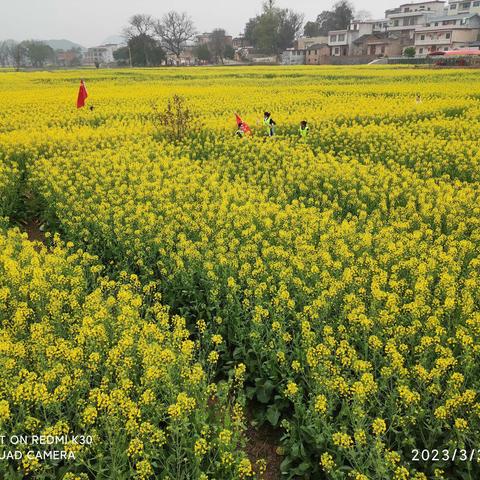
point(317, 45)
point(444, 27)
point(452, 17)
point(376, 36)
point(421, 3)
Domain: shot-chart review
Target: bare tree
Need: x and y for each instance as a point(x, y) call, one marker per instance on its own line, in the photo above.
point(174, 30)
point(140, 31)
point(5, 53)
point(141, 24)
point(363, 15)
point(18, 53)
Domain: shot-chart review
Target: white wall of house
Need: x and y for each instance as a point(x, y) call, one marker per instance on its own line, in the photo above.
point(461, 7)
point(101, 54)
point(293, 57)
point(443, 38)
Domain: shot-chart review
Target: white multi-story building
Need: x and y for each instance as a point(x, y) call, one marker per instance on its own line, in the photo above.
point(101, 54)
point(427, 26)
point(449, 32)
point(338, 41)
point(404, 20)
point(456, 7)
point(341, 41)
point(366, 27)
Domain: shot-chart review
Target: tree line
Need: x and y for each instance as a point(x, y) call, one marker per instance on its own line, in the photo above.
point(33, 53)
point(150, 40)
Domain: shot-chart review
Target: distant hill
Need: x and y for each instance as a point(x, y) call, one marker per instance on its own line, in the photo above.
point(63, 44)
point(116, 39)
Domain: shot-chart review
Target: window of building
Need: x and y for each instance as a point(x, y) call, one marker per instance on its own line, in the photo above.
point(337, 50)
point(395, 23)
point(445, 48)
point(406, 10)
point(466, 5)
point(436, 24)
point(341, 37)
point(453, 6)
point(420, 50)
point(476, 4)
point(422, 37)
point(333, 38)
point(448, 35)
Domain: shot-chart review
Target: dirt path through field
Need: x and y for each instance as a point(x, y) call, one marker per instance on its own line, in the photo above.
point(32, 227)
point(262, 443)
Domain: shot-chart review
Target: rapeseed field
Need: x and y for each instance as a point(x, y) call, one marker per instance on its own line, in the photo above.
point(327, 286)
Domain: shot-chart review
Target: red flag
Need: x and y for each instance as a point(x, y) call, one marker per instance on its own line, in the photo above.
point(82, 95)
point(241, 124)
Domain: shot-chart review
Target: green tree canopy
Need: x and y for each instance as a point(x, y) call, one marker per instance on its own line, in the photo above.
point(337, 19)
point(144, 50)
point(274, 30)
point(38, 52)
point(202, 52)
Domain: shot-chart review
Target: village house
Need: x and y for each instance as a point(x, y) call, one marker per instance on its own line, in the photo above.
point(293, 56)
point(404, 20)
point(305, 42)
point(206, 38)
point(68, 58)
point(463, 8)
point(103, 54)
point(239, 42)
point(315, 54)
point(338, 42)
point(377, 44)
point(341, 41)
point(427, 26)
point(447, 33)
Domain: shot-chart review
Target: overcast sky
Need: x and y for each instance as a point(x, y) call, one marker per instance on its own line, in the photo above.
point(89, 22)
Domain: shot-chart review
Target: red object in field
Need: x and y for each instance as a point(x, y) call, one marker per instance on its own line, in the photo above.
point(82, 95)
point(241, 124)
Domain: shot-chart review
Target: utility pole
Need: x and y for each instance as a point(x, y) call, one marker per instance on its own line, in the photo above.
point(130, 55)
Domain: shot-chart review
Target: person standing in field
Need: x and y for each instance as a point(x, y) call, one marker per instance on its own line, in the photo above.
point(240, 131)
point(304, 129)
point(269, 124)
point(243, 130)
